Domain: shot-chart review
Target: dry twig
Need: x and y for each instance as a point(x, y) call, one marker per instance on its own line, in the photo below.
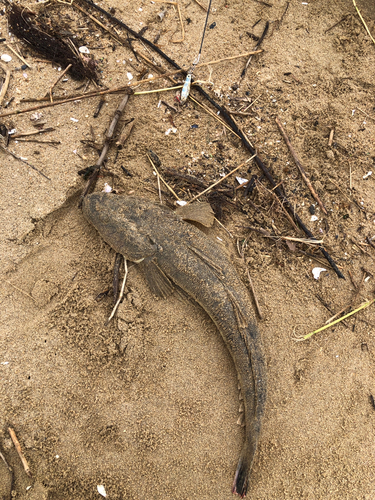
point(24, 161)
point(221, 180)
point(300, 167)
point(125, 133)
point(212, 114)
point(273, 194)
point(161, 178)
point(121, 292)
point(17, 54)
point(11, 475)
point(362, 306)
point(170, 2)
point(20, 290)
point(116, 276)
point(19, 451)
point(57, 81)
point(200, 5)
point(34, 132)
point(110, 32)
point(5, 86)
point(70, 99)
point(363, 21)
point(336, 24)
point(111, 129)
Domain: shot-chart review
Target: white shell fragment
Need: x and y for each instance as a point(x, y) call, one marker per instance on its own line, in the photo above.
point(130, 76)
point(172, 129)
point(6, 58)
point(162, 14)
point(101, 490)
point(314, 218)
point(36, 116)
point(182, 203)
point(368, 174)
point(317, 270)
point(84, 50)
point(74, 120)
point(241, 180)
point(107, 188)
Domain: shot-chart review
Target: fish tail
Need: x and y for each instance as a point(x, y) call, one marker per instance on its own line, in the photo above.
point(241, 476)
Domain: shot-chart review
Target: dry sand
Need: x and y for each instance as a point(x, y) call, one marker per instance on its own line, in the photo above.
point(148, 406)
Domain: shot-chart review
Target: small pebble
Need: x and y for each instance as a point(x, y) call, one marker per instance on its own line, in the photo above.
point(312, 209)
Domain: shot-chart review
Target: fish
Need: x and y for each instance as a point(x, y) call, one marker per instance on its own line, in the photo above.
point(176, 254)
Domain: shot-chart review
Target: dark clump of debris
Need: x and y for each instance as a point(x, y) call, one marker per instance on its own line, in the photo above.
point(45, 40)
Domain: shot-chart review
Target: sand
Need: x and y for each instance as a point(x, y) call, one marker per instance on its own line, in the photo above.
point(148, 406)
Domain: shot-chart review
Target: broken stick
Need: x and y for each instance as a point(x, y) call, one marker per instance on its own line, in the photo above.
point(57, 81)
point(19, 451)
point(96, 168)
point(300, 167)
point(5, 86)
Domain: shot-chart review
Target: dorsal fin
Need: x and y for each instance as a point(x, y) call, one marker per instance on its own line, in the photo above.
point(197, 212)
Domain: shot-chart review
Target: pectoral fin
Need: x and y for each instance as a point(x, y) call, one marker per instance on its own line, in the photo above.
point(197, 212)
point(159, 283)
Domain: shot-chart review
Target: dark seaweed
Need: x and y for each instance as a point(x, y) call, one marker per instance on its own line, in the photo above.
point(30, 27)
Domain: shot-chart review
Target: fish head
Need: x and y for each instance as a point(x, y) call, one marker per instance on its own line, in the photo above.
point(123, 222)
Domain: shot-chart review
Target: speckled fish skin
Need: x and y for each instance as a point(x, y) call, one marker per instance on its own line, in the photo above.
point(176, 252)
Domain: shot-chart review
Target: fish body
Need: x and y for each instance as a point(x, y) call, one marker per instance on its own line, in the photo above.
point(173, 252)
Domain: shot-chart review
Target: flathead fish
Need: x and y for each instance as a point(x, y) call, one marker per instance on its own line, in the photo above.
point(173, 253)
